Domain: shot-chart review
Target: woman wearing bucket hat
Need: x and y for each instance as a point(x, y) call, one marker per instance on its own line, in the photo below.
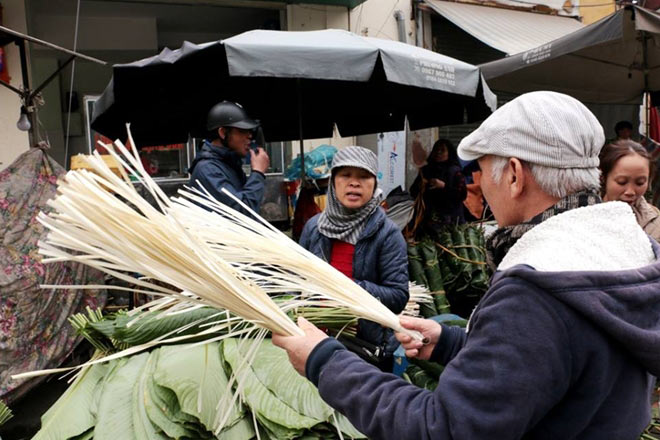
point(354, 235)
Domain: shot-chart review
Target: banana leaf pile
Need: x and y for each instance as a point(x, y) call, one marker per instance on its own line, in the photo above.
point(452, 265)
point(191, 386)
point(173, 392)
point(187, 391)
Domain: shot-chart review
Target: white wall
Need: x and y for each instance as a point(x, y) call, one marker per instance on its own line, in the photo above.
point(13, 142)
point(375, 18)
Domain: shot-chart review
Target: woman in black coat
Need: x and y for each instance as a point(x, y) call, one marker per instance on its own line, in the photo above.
point(440, 188)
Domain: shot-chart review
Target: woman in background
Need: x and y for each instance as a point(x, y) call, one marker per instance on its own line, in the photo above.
point(626, 173)
point(440, 188)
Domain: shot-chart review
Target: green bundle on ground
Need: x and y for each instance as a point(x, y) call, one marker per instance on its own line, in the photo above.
point(417, 274)
point(462, 248)
point(416, 266)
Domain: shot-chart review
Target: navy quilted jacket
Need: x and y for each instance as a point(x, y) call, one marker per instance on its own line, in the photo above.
point(217, 167)
point(380, 265)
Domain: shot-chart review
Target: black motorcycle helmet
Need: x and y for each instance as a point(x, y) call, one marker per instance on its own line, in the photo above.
point(228, 114)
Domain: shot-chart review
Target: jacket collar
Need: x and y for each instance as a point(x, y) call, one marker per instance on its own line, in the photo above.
point(374, 223)
point(644, 212)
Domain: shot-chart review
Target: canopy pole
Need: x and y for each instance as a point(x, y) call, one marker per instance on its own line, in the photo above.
point(647, 94)
point(300, 130)
point(26, 97)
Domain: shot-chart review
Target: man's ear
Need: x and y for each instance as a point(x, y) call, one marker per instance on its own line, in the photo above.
point(222, 132)
point(516, 177)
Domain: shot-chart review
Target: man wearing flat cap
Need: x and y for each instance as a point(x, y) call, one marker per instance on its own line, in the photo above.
point(564, 342)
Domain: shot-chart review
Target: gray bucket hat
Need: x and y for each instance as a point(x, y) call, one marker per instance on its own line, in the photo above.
point(355, 156)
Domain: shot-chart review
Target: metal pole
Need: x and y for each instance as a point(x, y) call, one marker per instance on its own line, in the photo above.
point(647, 95)
point(47, 81)
point(300, 131)
point(26, 97)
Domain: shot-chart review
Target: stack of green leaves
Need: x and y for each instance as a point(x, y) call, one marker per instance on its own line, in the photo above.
point(122, 330)
point(452, 266)
point(423, 269)
point(174, 392)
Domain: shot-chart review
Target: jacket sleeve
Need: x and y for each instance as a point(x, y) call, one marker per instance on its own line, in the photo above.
point(452, 339)
point(307, 232)
point(514, 367)
point(213, 178)
point(392, 266)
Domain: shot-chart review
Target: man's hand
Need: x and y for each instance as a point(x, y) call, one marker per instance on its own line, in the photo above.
point(299, 347)
point(429, 329)
point(259, 161)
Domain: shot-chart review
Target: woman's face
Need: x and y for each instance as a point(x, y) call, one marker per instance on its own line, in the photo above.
point(628, 180)
point(441, 154)
point(354, 186)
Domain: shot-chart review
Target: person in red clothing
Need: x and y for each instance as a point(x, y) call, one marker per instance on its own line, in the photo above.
point(355, 236)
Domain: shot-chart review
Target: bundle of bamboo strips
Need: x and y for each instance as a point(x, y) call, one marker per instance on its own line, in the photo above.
point(215, 255)
point(418, 295)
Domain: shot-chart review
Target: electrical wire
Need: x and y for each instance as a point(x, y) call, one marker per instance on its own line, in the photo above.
point(389, 14)
point(359, 20)
point(41, 126)
point(73, 74)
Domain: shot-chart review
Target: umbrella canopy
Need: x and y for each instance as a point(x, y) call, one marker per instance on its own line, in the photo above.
point(292, 80)
point(612, 61)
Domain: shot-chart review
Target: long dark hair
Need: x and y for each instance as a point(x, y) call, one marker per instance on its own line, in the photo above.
point(452, 158)
point(611, 153)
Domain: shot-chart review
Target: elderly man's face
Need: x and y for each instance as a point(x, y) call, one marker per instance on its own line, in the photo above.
point(498, 194)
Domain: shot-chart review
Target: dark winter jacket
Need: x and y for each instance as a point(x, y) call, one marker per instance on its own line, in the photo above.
point(380, 265)
point(217, 167)
point(548, 354)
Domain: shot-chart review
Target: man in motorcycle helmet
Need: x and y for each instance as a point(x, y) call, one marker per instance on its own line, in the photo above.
point(219, 163)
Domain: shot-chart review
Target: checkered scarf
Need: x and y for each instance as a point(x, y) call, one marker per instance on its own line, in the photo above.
point(337, 221)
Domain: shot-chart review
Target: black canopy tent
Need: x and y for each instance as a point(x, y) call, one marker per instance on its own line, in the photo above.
point(299, 84)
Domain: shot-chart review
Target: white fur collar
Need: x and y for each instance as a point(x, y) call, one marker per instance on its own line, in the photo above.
point(605, 236)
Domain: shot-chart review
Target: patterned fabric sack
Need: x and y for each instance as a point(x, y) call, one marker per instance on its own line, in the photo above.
point(34, 331)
